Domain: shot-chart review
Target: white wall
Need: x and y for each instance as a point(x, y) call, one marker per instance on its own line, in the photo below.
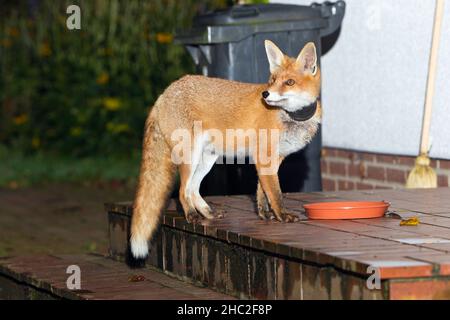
point(374, 78)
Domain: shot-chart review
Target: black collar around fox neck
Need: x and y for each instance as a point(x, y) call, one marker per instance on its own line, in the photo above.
point(304, 113)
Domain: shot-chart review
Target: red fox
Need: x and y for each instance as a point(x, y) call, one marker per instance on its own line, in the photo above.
point(288, 106)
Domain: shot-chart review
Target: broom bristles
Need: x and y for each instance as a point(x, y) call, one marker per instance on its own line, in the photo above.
point(422, 175)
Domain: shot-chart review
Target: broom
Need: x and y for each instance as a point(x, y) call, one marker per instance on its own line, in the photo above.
point(422, 175)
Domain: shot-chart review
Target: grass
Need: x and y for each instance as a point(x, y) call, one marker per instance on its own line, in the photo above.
point(20, 170)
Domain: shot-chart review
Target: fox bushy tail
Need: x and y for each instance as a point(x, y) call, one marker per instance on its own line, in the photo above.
point(155, 184)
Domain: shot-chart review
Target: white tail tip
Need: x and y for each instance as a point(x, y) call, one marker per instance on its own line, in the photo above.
point(139, 248)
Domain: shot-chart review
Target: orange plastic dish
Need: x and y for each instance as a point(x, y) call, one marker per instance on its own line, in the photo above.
point(346, 210)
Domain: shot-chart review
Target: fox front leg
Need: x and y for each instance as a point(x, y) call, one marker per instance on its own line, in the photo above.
point(270, 192)
point(264, 211)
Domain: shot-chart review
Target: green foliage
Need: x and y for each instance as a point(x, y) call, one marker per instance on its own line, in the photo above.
point(18, 170)
point(257, 1)
point(86, 92)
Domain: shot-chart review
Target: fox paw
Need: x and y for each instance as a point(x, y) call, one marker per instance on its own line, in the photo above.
point(289, 217)
point(266, 214)
point(193, 216)
point(284, 217)
point(218, 213)
point(210, 214)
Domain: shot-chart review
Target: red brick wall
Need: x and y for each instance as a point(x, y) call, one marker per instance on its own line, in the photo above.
point(352, 170)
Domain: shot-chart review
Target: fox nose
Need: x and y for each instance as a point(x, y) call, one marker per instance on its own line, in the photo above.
point(265, 94)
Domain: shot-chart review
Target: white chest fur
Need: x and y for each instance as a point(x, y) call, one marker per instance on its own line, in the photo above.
point(297, 134)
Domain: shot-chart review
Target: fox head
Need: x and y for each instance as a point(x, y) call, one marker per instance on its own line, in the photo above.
point(294, 83)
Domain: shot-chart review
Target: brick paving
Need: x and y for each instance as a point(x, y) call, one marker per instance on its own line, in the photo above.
point(101, 278)
point(349, 247)
point(245, 257)
point(373, 240)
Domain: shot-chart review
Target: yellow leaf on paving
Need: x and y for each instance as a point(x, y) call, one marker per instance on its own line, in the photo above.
point(414, 221)
point(136, 278)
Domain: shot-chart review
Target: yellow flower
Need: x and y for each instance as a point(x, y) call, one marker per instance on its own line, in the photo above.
point(117, 128)
point(164, 37)
point(20, 119)
point(45, 50)
point(103, 78)
point(111, 104)
point(75, 131)
point(105, 51)
point(62, 19)
point(13, 32)
point(35, 142)
point(6, 43)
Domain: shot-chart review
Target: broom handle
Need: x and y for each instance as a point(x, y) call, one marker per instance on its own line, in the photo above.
point(425, 139)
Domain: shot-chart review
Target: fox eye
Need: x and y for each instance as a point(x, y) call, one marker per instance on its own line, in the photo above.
point(290, 82)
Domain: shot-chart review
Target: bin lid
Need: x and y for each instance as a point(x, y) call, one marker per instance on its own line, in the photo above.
point(240, 21)
point(259, 13)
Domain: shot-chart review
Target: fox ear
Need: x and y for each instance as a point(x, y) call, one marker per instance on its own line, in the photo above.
point(274, 55)
point(307, 59)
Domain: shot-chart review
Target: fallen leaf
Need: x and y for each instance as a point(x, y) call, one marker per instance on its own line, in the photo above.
point(136, 278)
point(13, 185)
point(414, 221)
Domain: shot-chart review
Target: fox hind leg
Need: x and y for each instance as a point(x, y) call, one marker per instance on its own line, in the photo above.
point(207, 161)
point(191, 176)
point(186, 200)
